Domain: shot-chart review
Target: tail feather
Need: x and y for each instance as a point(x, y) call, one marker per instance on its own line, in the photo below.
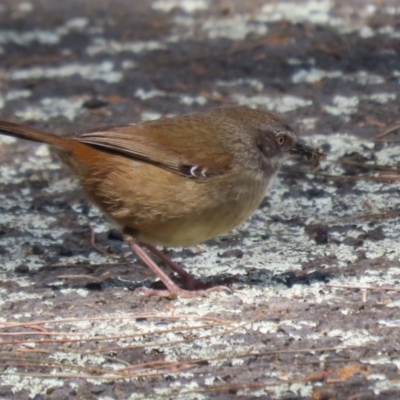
point(26, 132)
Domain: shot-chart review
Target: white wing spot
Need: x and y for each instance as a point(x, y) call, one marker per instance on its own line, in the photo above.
point(197, 171)
point(193, 170)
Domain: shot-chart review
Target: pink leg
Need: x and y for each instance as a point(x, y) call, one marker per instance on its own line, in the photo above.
point(189, 282)
point(173, 290)
point(176, 268)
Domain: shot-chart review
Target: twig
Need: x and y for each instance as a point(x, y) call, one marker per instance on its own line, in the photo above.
point(85, 265)
point(97, 248)
point(9, 325)
point(384, 288)
point(364, 295)
point(100, 278)
point(175, 342)
point(114, 337)
point(381, 215)
point(381, 178)
point(376, 167)
point(245, 354)
point(388, 130)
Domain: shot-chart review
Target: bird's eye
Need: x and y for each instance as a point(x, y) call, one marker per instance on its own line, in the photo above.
point(281, 140)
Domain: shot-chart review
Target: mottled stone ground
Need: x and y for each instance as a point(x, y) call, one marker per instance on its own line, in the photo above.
point(309, 316)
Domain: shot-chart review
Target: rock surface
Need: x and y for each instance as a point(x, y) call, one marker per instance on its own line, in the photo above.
point(314, 311)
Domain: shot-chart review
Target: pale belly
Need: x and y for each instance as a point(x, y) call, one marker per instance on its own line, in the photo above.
point(166, 209)
point(194, 227)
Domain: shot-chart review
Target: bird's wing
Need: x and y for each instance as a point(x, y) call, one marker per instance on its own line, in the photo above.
point(186, 146)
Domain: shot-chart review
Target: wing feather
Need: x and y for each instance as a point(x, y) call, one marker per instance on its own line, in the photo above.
point(177, 144)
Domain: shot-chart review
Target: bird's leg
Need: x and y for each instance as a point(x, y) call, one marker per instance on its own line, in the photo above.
point(173, 290)
point(189, 281)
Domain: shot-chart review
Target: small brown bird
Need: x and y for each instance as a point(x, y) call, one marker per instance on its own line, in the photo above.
point(177, 181)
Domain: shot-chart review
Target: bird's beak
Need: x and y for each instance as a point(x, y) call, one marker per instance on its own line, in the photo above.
point(315, 154)
point(302, 149)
